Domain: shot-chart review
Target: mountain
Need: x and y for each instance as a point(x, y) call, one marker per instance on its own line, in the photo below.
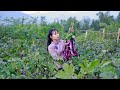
point(56, 15)
point(15, 14)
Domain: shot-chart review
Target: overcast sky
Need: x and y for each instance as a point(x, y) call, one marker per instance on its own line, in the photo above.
point(80, 13)
point(51, 15)
point(75, 12)
point(32, 12)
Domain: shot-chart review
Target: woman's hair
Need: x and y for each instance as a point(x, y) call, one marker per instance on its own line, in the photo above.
point(49, 40)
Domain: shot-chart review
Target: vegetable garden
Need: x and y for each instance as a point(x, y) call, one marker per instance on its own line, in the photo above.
point(23, 54)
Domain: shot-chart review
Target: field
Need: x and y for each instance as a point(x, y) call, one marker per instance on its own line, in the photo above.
point(23, 54)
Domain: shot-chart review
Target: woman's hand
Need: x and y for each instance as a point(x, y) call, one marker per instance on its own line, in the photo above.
point(68, 42)
point(59, 58)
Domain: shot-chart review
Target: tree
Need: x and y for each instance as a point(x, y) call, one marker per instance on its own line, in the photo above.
point(95, 24)
point(86, 23)
point(118, 18)
point(75, 21)
point(43, 20)
point(34, 20)
point(80, 25)
point(105, 17)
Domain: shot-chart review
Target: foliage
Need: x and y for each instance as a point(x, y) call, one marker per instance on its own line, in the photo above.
point(23, 53)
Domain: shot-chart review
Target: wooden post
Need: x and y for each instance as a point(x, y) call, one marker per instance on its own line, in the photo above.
point(86, 34)
point(106, 35)
point(99, 34)
point(113, 36)
point(118, 35)
point(103, 34)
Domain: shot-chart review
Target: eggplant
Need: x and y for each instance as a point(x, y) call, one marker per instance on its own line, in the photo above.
point(70, 49)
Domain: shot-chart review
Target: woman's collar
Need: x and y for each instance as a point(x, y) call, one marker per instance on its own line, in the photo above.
point(57, 42)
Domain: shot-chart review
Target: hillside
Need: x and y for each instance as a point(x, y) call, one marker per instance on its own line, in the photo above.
point(15, 14)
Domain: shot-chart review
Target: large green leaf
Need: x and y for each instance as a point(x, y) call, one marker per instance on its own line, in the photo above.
point(93, 64)
point(68, 68)
point(88, 67)
point(68, 72)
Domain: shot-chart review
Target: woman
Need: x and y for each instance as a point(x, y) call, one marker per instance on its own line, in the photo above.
point(56, 46)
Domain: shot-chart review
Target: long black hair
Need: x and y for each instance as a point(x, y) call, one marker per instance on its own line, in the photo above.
point(49, 40)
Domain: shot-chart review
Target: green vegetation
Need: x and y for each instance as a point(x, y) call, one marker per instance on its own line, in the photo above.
point(23, 53)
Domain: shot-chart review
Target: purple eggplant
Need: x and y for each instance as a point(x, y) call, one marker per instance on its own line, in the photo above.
point(69, 49)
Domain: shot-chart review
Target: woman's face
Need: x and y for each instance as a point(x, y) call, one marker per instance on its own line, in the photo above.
point(55, 35)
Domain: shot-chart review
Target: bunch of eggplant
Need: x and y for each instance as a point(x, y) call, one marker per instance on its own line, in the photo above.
point(70, 49)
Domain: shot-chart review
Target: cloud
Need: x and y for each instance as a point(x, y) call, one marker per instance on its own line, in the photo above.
point(32, 12)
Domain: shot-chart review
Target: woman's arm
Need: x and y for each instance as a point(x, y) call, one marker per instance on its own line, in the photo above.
point(54, 54)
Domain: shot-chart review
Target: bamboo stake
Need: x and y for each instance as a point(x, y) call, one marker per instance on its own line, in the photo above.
point(118, 35)
point(103, 35)
point(86, 34)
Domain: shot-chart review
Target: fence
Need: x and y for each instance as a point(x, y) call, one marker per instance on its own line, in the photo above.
point(104, 34)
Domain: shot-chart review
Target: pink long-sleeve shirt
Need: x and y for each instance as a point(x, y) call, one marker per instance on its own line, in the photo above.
point(56, 50)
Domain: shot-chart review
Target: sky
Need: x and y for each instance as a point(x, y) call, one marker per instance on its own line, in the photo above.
point(76, 13)
point(80, 12)
point(51, 15)
point(32, 12)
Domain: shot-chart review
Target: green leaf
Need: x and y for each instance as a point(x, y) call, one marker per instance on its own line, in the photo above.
point(67, 73)
point(51, 67)
point(116, 62)
point(8, 73)
point(37, 70)
point(82, 66)
point(82, 71)
point(68, 68)
point(52, 77)
point(13, 76)
point(106, 75)
point(86, 63)
point(53, 73)
point(28, 74)
point(94, 64)
point(79, 76)
point(62, 75)
point(105, 64)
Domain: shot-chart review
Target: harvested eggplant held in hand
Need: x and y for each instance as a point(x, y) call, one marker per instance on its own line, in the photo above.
point(70, 49)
